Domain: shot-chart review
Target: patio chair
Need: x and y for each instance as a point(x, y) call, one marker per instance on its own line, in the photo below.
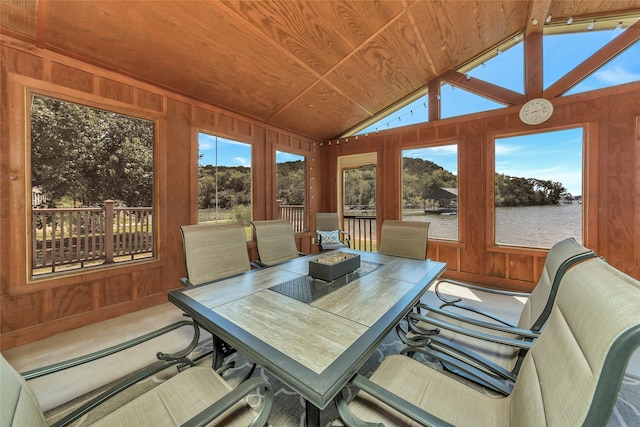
point(571, 376)
point(213, 252)
point(479, 342)
point(328, 233)
point(276, 242)
point(195, 396)
point(406, 239)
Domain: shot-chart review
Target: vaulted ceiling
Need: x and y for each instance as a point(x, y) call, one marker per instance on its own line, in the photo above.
point(314, 67)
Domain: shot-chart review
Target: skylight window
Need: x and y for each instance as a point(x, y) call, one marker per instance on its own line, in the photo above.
point(624, 68)
point(505, 67)
point(457, 102)
point(415, 112)
point(563, 52)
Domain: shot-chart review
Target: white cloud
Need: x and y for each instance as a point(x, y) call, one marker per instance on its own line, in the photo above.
point(241, 161)
point(502, 149)
point(617, 75)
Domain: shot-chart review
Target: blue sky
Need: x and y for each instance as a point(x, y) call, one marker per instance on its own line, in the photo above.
point(552, 156)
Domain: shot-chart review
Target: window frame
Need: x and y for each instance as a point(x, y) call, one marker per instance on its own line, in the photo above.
point(308, 185)
point(460, 207)
point(216, 134)
point(589, 183)
point(60, 278)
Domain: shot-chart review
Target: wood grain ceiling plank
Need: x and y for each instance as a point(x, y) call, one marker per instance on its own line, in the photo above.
point(334, 23)
point(18, 18)
point(298, 27)
point(376, 76)
point(195, 48)
point(321, 112)
point(456, 33)
point(318, 33)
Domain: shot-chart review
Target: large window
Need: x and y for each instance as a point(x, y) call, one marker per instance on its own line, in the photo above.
point(291, 187)
point(91, 186)
point(224, 180)
point(430, 189)
point(538, 188)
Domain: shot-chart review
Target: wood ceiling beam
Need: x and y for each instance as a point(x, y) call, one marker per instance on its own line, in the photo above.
point(434, 111)
point(595, 61)
point(533, 70)
point(483, 88)
point(41, 22)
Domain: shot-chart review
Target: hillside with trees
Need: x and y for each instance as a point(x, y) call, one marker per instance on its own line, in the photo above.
point(421, 178)
point(234, 185)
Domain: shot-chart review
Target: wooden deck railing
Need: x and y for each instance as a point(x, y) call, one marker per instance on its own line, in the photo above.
point(363, 232)
point(361, 227)
point(294, 214)
point(79, 237)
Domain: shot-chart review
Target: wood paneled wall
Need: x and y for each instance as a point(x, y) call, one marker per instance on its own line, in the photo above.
point(611, 182)
point(35, 309)
point(30, 311)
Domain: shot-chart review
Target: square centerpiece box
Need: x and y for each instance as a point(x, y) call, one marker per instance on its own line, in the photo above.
point(330, 267)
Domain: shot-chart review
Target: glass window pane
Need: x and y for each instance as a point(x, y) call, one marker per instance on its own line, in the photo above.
point(290, 188)
point(505, 69)
point(224, 181)
point(91, 172)
point(412, 113)
point(563, 52)
point(538, 188)
point(624, 68)
point(455, 101)
point(430, 189)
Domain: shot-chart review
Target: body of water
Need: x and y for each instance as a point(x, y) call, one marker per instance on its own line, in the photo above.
point(532, 226)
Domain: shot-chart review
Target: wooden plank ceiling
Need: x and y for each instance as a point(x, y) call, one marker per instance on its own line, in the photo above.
point(314, 67)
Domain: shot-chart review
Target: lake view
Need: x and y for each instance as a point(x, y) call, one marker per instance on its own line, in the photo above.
point(535, 226)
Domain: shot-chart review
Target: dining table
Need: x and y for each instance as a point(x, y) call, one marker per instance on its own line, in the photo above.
point(311, 334)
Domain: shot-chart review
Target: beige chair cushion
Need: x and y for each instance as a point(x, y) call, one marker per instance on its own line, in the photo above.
point(502, 355)
point(171, 403)
point(432, 391)
point(595, 306)
point(326, 221)
point(179, 399)
point(276, 241)
point(214, 251)
point(406, 239)
point(558, 254)
point(19, 406)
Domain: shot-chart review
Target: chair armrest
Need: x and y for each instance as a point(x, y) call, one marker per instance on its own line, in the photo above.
point(413, 317)
point(165, 361)
point(218, 408)
point(463, 354)
point(417, 414)
point(186, 283)
point(61, 366)
point(510, 329)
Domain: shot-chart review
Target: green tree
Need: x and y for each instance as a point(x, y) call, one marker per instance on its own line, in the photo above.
point(290, 182)
point(90, 155)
